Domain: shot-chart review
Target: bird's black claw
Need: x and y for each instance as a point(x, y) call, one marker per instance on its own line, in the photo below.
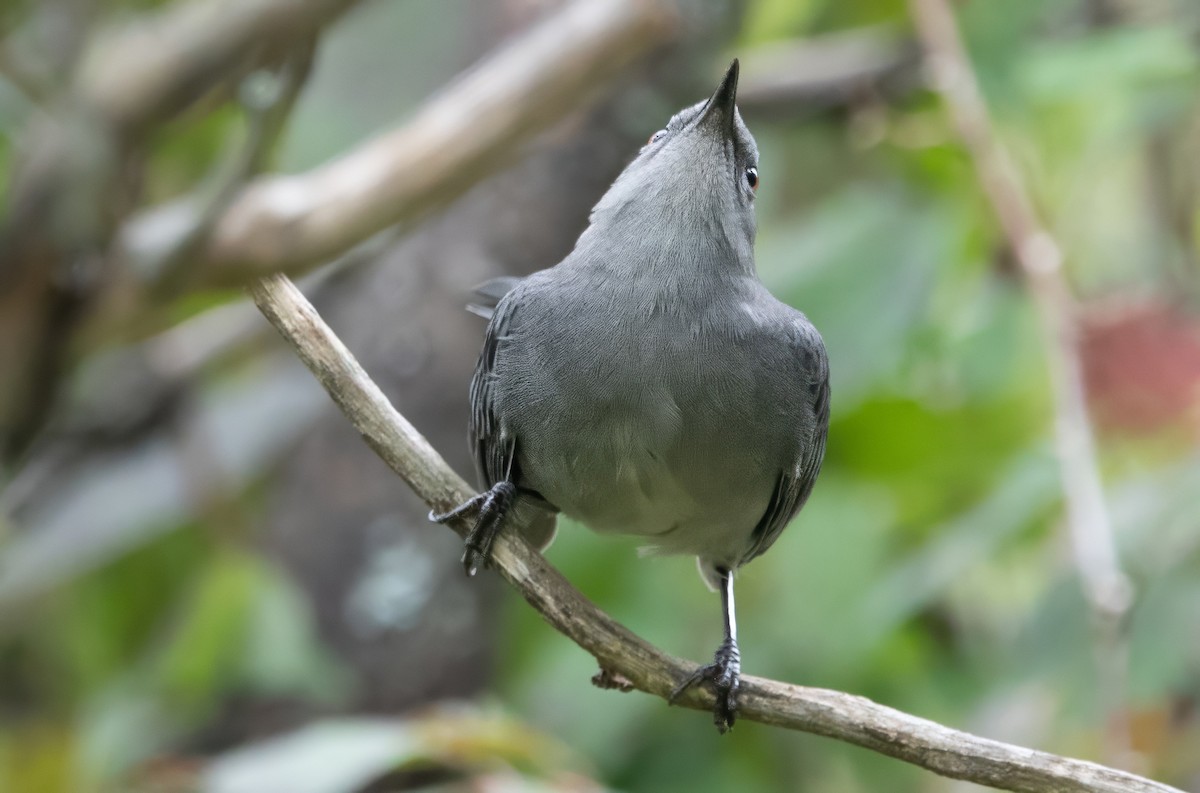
point(724, 673)
point(472, 560)
point(470, 505)
point(490, 508)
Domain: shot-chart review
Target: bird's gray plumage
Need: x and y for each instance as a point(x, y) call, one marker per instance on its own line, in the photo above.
point(649, 383)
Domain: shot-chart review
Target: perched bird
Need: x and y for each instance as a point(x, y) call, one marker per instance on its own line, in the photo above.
point(649, 384)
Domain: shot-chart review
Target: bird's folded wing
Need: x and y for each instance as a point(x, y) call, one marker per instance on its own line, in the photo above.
point(493, 451)
point(794, 485)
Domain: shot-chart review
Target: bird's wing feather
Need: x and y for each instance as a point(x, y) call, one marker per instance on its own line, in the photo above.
point(493, 452)
point(794, 485)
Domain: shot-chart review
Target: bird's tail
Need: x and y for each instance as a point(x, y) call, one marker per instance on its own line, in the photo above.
point(489, 293)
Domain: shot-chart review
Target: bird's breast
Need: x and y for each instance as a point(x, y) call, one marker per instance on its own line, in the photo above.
point(646, 433)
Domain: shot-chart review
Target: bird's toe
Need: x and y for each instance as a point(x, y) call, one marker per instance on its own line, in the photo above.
point(473, 558)
point(725, 708)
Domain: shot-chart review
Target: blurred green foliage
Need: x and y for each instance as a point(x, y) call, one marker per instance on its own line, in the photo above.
point(929, 571)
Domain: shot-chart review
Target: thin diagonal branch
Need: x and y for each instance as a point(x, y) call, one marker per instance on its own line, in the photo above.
point(622, 655)
point(1108, 591)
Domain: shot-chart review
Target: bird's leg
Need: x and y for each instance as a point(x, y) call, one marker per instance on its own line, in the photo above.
point(490, 508)
point(725, 671)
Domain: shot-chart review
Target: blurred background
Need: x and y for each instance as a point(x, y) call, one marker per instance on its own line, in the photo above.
point(209, 583)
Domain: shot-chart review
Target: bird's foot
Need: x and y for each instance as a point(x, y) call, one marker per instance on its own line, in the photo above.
point(490, 508)
point(724, 673)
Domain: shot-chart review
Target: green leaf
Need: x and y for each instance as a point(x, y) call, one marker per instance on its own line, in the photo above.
point(204, 649)
point(964, 543)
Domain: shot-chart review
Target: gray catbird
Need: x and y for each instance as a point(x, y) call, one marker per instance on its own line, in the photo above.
point(649, 384)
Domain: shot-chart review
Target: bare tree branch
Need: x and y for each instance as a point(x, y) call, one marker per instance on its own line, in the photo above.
point(1108, 590)
point(288, 223)
point(152, 67)
point(71, 187)
point(827, 70)
point(31, 85)
point(267, 99)
point(627, 658)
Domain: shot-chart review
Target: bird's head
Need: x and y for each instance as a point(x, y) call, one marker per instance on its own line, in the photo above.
point(697, 176)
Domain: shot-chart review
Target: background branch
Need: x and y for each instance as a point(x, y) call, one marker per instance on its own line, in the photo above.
point(1108, 590)
point(77, 178)
point(149, 69)
point(809, 74)
point(31, 85)
point(142, 73)
point(288, 223)
point(267, 99)
point(623, 655)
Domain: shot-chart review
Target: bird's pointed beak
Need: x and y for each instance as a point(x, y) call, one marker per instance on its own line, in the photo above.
point(721, 107)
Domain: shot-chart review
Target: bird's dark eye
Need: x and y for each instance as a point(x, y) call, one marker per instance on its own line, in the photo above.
point(752, 177)
point(657, 136)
